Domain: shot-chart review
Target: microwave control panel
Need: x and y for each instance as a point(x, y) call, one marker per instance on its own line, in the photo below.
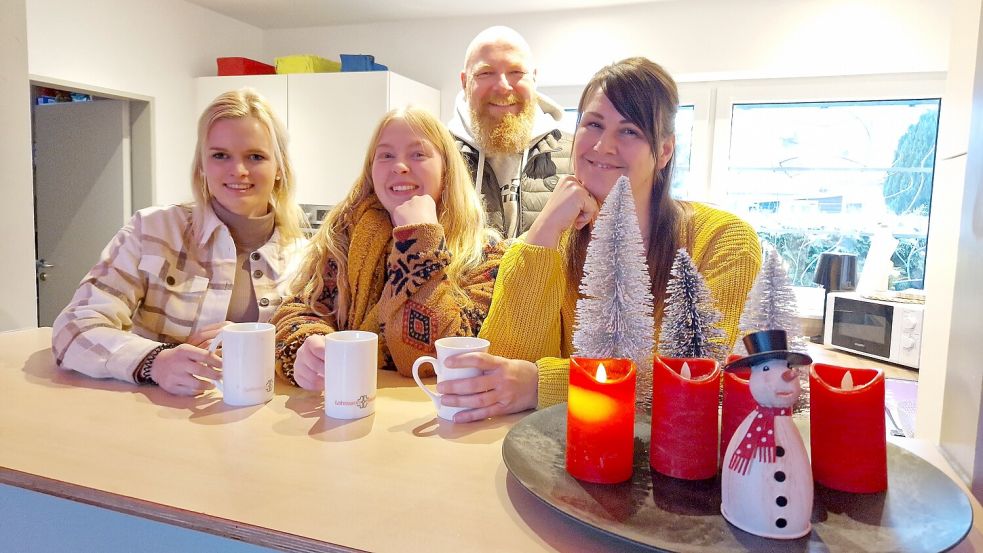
point(910, 335)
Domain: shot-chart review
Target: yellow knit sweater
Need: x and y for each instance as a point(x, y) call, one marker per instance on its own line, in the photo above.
point(533, 305)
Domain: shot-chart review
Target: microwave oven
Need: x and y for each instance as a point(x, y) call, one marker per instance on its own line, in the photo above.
point(885, 330)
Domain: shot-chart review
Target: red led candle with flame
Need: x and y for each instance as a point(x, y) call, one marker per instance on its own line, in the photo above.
point(737, 402)
point(601, 419)
point(684, 417)
point(847, 428)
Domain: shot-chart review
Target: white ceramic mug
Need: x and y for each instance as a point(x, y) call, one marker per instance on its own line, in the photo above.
point(449, 347)
point(350, 365)
point(247, 363)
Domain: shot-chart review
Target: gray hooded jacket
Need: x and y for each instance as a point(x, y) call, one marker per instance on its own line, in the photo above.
point(547, 159)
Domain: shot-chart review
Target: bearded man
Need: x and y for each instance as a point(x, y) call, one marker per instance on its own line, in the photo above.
point(508, 134)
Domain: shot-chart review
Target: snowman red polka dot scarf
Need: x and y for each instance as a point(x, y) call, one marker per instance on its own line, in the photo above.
point(759, 440)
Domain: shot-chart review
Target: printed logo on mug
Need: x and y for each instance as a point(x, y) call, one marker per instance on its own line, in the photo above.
point(350, 365)
point(247, 363)
point(449, 347)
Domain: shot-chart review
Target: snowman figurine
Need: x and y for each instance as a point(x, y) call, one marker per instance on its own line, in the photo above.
point(767, 479)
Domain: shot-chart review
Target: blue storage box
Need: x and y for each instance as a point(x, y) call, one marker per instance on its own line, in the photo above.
point(361, 62)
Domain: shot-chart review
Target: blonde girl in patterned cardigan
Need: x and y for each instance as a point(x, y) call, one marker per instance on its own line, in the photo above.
point(625, 126)
point(406, 255)
point(174, 275)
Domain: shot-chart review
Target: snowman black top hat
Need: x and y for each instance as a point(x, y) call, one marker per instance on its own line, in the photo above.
point(768, 344)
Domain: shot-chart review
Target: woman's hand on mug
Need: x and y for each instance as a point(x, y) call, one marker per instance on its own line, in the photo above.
point(203, 338)
point(309, 364)
point(505, 386)
point(570, 205)
point(175, 370)
point(415, 211)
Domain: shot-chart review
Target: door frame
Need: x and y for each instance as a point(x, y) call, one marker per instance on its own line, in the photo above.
point(142, 159)
point(142, 191)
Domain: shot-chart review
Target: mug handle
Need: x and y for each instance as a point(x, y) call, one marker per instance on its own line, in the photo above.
point(216, 342)
point(416, 376)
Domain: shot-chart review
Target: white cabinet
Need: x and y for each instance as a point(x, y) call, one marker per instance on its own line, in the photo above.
point(330, 117)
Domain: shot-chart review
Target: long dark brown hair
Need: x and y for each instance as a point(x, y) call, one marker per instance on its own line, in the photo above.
point(645, 94)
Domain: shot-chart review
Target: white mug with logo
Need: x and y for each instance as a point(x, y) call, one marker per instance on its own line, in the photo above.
point(247, 363)
point(350, 365)
point(449, 347)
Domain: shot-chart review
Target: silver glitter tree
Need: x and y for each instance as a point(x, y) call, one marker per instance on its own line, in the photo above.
point(771, 304)
point(614, 313)
point(690, 317)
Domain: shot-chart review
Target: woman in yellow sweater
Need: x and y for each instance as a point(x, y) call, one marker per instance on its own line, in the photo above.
point(406, 255)
point(626, 127)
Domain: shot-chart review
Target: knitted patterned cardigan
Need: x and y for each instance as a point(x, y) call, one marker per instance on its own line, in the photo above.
point(532, 312)
point(399, 290)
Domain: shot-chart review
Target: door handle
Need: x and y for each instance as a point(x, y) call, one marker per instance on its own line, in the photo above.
point(42, 264)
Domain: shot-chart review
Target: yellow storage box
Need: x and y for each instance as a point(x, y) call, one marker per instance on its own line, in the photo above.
point(305, 64)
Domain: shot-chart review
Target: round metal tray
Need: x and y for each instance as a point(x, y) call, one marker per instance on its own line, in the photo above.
point(922, 509)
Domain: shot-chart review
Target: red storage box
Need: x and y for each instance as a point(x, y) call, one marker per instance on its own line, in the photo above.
point(243, 66)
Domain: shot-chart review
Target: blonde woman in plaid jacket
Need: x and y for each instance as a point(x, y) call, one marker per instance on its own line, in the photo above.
point(406, 255)
point(174, 276)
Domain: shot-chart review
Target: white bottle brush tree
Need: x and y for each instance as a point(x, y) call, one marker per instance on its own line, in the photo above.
point(614, 313)
point(690, 317)
point(771, 305)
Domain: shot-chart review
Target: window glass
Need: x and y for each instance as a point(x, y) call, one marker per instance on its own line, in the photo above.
point(853, 177)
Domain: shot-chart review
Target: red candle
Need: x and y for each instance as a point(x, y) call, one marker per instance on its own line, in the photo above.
point(847, 428)
point(601, 419)
point(684, 417)
point(737, 402)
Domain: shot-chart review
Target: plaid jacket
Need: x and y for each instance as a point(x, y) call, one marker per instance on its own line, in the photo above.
point(154, 284)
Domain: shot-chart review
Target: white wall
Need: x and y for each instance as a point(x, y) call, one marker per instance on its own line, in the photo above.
point(148, 47)
point(19, 306)
point(694, 39)
point(949, 403)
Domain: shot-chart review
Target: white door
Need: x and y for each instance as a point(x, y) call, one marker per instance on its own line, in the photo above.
point(81, 192)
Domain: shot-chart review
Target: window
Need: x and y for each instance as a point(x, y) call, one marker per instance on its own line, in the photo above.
point(853, 177)
point(681, 182)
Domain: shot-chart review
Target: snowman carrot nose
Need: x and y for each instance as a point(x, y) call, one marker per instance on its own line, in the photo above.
point(790, 375)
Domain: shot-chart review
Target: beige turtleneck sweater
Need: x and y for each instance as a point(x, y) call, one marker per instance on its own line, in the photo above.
point(248, 233)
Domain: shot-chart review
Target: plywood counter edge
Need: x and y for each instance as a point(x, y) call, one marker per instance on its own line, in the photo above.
point(202, 522)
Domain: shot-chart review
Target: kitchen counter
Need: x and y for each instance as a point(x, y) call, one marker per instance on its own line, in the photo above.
point(281, 475)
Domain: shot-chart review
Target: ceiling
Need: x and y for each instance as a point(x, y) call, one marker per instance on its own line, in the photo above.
point(285, 14)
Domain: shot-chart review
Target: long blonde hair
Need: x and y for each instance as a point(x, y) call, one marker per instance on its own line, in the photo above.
point(236, 104)
point(460, 213)
point(645, 94)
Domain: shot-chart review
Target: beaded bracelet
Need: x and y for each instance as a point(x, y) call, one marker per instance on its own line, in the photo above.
point(142, 373)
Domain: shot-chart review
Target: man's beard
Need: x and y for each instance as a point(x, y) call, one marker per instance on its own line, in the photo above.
point(510, 135)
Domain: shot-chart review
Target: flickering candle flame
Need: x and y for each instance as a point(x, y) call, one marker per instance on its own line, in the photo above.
point(685, 371)
point(847, 382)
point(602, 374)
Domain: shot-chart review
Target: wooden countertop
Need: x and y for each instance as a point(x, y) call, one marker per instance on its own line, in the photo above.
point(826, 354)
point(281, 475)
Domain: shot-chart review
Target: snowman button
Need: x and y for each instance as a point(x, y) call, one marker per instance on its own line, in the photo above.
point(780, 476)
point(781, 523)
point(780, 451)
point(781, 501)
